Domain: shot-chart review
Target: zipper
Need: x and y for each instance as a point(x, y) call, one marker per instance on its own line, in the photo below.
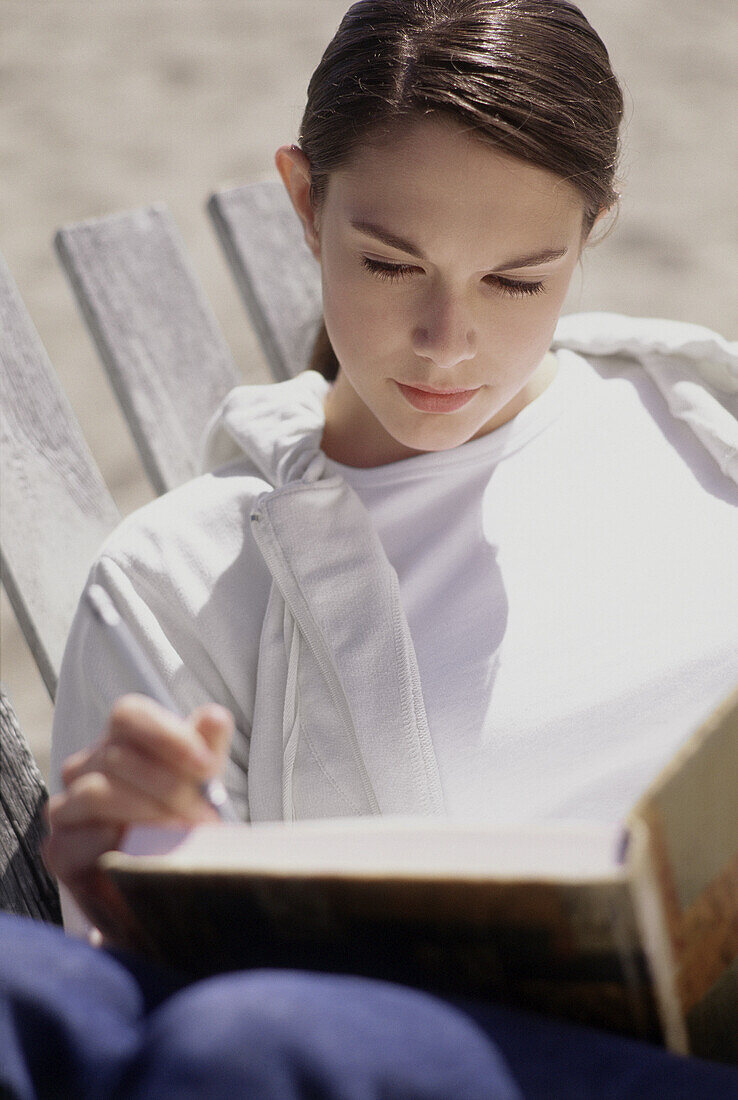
point(274, 558)
point(427, 768)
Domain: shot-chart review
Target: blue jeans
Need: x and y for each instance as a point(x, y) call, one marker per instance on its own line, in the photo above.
point(79, 1022)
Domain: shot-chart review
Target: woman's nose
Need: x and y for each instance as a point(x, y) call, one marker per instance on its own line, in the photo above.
point(445, 333)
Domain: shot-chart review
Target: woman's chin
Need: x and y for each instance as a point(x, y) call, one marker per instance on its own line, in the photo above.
point(434, 436)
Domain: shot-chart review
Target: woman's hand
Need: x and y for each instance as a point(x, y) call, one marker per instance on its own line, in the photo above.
point(148, 768)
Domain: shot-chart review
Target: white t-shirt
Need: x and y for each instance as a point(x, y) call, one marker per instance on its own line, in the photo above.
point(571, 585)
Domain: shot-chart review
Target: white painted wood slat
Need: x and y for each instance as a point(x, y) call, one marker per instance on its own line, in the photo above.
point(56, 509)
point(155, 332)
point(277, 275)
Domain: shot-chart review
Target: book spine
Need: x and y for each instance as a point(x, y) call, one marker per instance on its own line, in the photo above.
point(690, 816)
point(647, 891)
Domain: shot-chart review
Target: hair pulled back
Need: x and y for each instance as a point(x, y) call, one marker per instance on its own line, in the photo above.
point(530, 77)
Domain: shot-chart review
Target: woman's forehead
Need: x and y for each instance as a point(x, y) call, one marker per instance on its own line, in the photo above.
point(430, 176)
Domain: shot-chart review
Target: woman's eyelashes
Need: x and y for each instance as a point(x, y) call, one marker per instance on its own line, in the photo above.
point(515, 288)
point(389, 272)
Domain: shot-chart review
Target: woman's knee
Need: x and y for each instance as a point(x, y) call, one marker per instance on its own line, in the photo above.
point(70, 1016)
point(294, 1034)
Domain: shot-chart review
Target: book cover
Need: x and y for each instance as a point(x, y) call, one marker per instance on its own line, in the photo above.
point(633, 928)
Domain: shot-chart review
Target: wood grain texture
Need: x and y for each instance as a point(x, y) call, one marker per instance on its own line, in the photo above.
point(155, 332)
point(26, 887)
point(276, 273)
point(56, 508)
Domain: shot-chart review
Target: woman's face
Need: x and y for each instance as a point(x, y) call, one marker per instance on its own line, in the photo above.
point(445, 264)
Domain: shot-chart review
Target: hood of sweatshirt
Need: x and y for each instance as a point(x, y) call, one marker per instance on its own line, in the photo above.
point(279, 426)
point(695, 369)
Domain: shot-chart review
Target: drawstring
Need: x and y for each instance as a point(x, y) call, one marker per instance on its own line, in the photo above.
point(291, 717)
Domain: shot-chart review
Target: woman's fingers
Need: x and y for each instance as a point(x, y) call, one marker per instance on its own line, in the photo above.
point(69, 853)
point(140, 722)
point(148, 769)
point(74, 765)
point(215, 725)
point(97, 798)
point(152, 754)
point(172, 793)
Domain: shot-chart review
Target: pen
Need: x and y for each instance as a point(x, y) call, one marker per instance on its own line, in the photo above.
point(142, 678)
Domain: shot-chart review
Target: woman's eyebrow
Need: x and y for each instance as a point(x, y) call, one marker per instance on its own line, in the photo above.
point(386, 237)
point(543, 257)
point(383, 235)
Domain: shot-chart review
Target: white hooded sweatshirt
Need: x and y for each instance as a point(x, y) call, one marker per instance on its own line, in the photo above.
point(264, 586)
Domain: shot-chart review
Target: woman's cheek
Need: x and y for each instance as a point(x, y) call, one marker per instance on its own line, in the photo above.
point(357, 318)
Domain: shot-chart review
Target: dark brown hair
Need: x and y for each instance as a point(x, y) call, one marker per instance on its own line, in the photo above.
point(530, 77)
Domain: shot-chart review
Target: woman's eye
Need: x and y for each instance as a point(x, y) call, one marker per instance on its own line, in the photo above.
point(515, 288)
point(384, 270)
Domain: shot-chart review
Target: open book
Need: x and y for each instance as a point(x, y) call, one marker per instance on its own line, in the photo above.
point(634, 928)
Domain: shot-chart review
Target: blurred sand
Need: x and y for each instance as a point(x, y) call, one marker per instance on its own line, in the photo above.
point(111, 104)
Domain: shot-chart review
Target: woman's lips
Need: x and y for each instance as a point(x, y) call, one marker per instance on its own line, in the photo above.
point(436, 402)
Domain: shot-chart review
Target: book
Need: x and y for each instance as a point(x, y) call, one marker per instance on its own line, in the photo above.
point(632, 928)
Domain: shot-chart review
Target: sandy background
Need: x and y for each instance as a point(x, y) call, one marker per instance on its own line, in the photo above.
point(107, 105)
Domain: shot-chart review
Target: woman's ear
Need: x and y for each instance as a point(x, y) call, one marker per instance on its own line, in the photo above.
point(294, 168)
point(603, 222)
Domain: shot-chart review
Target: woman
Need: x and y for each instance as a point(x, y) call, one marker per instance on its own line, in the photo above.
point(453, 161)
point(463, 568)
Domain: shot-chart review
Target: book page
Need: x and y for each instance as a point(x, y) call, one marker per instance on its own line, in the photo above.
point(387, 846)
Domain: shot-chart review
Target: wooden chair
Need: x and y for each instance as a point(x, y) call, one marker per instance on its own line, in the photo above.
point(56, 511)
point(156, 335)
point(26, 887)
point(164, 353)
point(274, 269)
point(169, 366)
point(56, 507)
